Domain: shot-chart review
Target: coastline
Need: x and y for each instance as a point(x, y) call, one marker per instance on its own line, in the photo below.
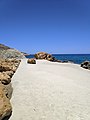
point(75, 58)
point(50, 91)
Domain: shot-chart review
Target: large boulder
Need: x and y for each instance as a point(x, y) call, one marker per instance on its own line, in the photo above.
point(86, 65)
point(5, 106)
point(43, 55)
point(5, 78)
point(46, 56)
point(31, 61)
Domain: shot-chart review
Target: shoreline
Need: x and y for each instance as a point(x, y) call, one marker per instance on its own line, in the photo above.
point(75, 58)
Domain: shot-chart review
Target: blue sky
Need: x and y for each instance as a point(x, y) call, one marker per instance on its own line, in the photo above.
point(54, 26)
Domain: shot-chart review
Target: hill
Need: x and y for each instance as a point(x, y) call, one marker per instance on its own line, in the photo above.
point(7, 52)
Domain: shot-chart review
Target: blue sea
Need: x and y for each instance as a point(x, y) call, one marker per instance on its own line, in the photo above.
point(76, 58)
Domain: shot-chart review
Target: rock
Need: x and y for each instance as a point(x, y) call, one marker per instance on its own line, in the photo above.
point(51, 59)
point(5, 67)
point(9, 73)
point(57, 61)
point(46, 56)
point(31, 61)
point(86, 65)
point(8, 90)
point(4, 78)
point(43, 55)
point(5, 106)
point(9, 65)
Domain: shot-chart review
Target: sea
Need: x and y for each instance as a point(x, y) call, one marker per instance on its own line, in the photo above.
point(76, 58)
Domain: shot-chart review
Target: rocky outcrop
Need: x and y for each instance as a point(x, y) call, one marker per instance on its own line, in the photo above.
point(7, 69)
point(41, 55)
point(46, 56)
point(7, 52)
point(86, 65)
point(31, 61)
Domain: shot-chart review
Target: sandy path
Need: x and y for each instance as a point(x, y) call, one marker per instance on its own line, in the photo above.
point(51, 91)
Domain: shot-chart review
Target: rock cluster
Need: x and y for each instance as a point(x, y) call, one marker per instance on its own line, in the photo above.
point(46, 56)
point(86, 65)
point(31, 61)
point(7, 69)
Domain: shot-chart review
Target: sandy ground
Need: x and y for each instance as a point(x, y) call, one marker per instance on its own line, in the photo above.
point(51, 91)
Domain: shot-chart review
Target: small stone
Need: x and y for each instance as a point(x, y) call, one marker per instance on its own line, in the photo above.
point(31, 61)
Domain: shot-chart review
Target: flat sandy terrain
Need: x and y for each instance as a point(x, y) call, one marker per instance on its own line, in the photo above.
point(51, 91)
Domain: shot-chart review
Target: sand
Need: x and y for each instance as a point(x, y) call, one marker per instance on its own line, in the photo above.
point(51, 91)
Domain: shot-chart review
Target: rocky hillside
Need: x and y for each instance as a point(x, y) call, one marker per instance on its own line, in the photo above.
point(7, 52)
point(3, 47)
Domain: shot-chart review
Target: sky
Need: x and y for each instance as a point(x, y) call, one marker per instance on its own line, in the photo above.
point(53, 26)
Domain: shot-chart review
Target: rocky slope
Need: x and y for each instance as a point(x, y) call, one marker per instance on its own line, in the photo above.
point(3, 47)
point(7, 52)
